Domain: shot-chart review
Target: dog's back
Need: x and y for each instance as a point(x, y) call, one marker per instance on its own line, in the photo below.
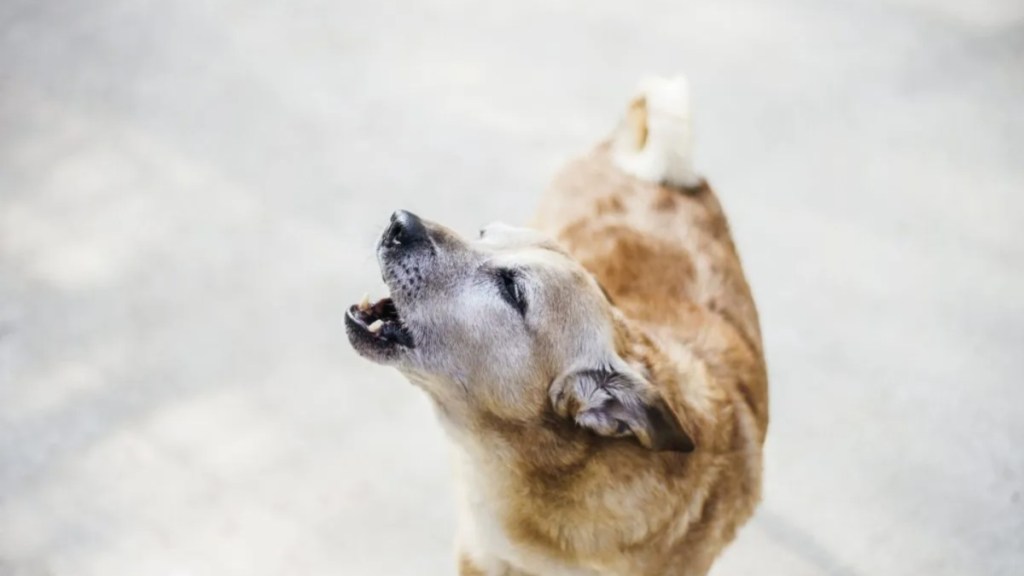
point(654, 235)
point(635, 214)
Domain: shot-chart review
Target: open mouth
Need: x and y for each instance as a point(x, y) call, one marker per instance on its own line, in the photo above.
point(378, 324)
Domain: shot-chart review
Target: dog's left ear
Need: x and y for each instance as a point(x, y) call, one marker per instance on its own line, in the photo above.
point(619, 404)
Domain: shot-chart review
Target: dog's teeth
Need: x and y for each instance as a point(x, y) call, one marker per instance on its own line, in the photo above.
point(364, 304)
point(376, 326)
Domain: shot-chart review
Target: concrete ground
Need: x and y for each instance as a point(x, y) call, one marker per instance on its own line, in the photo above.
point(189, 192)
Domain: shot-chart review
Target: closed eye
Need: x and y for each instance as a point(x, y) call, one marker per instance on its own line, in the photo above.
point(511, 289)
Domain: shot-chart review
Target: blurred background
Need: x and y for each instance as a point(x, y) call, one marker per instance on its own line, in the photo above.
point(190, 192)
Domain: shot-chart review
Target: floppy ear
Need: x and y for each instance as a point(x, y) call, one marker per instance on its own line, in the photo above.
point(616, 404)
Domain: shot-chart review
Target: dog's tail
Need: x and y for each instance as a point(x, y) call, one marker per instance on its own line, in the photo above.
point(654, 140)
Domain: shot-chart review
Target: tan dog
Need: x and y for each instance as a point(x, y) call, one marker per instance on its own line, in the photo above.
point(603, 383)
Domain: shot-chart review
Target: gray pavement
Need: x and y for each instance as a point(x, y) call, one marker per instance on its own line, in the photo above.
point(189, 192)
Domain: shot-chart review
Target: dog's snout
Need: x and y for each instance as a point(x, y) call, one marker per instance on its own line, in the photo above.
point(406, 229)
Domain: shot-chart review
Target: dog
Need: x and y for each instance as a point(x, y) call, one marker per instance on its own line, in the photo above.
point(601, 374)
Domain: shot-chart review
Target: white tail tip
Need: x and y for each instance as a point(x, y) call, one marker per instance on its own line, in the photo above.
point(654, 141)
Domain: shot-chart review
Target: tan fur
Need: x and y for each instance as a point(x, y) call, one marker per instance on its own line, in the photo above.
point(637, 119)
point(575, 504)
point(602, 380)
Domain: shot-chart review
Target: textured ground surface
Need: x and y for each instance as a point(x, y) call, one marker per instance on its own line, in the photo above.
point(189, 192)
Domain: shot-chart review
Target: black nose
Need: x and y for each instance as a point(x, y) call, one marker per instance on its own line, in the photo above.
point(406, 229)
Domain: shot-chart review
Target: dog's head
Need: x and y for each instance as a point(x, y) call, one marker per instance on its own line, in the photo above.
point(507, 327)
